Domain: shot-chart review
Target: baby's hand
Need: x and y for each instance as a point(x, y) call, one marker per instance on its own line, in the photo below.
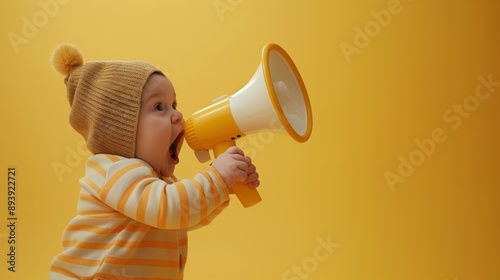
point(233, 166)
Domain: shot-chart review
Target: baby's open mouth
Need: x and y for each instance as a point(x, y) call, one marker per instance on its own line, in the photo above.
point(174, 147)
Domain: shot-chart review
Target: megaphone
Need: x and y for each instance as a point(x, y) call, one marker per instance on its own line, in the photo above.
point(275, 98)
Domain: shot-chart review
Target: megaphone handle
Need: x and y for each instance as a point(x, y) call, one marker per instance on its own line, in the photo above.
point(246, 195)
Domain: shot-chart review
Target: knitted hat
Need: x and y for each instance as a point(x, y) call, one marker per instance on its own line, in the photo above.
point(105, 99)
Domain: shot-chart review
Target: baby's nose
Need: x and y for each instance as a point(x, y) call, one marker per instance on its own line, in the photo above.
point(177, 117)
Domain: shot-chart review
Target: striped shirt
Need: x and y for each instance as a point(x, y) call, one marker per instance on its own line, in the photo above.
point(131, 224)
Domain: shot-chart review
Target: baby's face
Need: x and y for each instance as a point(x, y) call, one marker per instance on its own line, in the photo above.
point(160, 130)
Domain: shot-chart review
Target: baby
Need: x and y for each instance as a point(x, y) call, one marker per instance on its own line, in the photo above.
point(133, 214)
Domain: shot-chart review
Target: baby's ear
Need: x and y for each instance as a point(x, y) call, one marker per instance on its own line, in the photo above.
point(64, 57)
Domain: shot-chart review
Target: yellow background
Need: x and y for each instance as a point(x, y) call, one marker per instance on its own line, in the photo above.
point(442, 222)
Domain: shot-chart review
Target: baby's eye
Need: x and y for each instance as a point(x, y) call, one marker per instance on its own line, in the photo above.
point(174, 105)
point(159, 107)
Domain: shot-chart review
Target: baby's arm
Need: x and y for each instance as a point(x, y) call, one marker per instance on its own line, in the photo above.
point(131, 187)
point(232, 166)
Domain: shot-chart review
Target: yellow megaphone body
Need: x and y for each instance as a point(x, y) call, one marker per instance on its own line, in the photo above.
point(275, 98)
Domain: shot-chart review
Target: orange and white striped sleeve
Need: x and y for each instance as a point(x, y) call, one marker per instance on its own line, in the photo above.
point(133, 188)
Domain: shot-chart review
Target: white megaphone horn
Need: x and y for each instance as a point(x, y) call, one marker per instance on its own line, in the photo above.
point(275, 92)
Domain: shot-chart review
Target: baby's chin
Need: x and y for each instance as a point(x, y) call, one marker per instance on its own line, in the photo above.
point(167, 170)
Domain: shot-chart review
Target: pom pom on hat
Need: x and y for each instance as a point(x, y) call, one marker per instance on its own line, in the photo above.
point(64, 57)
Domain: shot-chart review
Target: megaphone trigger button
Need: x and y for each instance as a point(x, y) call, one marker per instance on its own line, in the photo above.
point(237, 136)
